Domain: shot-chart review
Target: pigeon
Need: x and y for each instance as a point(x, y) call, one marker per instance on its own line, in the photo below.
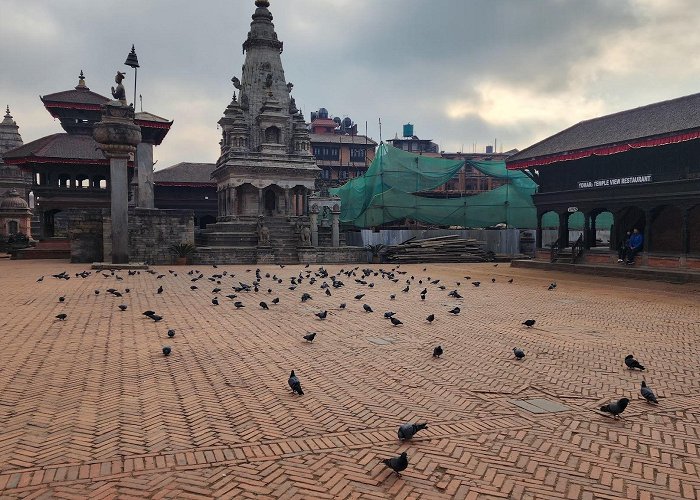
point(61, 317)
point(276, 300)
point(305, 296)
point(455, 310)
point(160, 289)
point(216, 290)
point(122, 307)
point(166, 350)
point(519, 353)
point(127, 290)
point(633, 363)
point(231, 296)
point(552, 285)
point(648, 394)
point(529, 323)
point(367, 308)
point(193, 287)
point(215, 301)
point(62, 298)
point(97, 292)
point(392, 297)
point(388, 314)
point(343, 305)
point(310, 337)
point(397, 464)
point(264, 305)
point(493, 280)
point(116, 294)
point(328, 292)
point(156, 318)
point(396, 321)
point(615, 408)
point(40, 279)
point(322, 314)
point(171, 333)
point(407, 431)
point(476, 283)
point(430, 318)
point(359, 296)
point(405, 290)
point(295, 384)
point(437, 352)
point(454, 294)
point(238, 305)
point(510, 280)
point(148, 313)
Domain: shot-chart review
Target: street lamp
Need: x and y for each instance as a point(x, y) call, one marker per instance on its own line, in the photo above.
point(133, 61)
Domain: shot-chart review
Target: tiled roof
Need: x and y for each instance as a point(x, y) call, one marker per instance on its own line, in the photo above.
point(57, 146)
point(186, 173)
point(76, 96)
point(150, 117)
point(338, 139)
point(661, 118)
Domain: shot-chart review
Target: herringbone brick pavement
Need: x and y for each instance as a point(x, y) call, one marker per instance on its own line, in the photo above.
point(90, 408)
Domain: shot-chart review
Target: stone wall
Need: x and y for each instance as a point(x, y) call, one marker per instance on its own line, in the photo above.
point(85, 234)
point(151, 233)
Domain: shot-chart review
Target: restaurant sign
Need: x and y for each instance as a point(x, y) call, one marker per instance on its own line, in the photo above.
point(620, 181)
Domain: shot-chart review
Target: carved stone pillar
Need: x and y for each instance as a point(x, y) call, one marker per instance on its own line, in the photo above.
point(335, 228)
point(144, 174)
point(287, 203)
point(587, 230)
point(261, 205)
point(313, 216)
point(117, 136)
point(234, 208)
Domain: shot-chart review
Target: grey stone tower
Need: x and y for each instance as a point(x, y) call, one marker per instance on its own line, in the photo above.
point(10, 175)
point(265, 167)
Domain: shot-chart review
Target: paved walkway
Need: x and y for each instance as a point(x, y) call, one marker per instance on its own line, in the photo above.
point(90, 408)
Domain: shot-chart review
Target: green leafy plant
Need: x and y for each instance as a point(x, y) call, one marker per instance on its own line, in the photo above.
point(182, 249)
point(375, 249)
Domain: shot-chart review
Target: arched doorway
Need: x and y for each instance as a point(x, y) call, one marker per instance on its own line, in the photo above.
point(12, 227)
point(550, 229)
point(270, 202)
point(577, 222)
point(601, 228)
point(666, 230)
point(627, 219)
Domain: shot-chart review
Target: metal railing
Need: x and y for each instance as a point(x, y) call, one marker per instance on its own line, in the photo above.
point(554, 251)
point(577, 249)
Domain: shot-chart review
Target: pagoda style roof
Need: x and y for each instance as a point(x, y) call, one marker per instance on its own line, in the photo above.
point(186, 174)
point(341, 139)
point(58, 148)
point(154, 128)
point(666, 122)
point(77, 98)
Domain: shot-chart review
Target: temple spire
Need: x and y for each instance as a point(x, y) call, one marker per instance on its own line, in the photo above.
point(81, 82)
point(262, 3)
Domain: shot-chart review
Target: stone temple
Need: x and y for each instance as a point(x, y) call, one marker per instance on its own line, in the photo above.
point(266, 172)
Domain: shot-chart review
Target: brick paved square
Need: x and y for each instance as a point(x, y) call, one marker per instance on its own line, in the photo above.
point(90, 407)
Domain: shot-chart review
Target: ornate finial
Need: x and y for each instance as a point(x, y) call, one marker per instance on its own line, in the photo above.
point(234, 97)
point(7, 112)
point(81, 81)
point(262, 3)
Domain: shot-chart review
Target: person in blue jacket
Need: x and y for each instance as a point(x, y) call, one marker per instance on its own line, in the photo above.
point(634, 246)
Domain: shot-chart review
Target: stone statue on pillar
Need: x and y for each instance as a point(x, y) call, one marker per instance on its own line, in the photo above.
point(119, 93)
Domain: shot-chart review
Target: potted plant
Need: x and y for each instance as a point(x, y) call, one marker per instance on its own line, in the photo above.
point(181, 251)
point(376, 250)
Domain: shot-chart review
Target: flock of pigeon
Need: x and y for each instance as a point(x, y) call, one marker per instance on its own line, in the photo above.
point(362, 277)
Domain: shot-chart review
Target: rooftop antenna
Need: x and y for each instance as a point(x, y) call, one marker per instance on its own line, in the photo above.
point(141, 101)
point(380, 130)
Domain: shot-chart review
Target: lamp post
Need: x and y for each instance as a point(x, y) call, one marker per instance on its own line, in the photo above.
point(133, 61)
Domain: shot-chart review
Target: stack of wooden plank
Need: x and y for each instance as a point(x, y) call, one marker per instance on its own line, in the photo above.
point(451, 248)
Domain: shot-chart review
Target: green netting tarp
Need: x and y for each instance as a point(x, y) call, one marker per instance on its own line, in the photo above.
point(388, 192)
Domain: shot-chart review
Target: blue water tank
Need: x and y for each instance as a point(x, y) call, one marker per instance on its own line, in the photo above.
point(408, 130)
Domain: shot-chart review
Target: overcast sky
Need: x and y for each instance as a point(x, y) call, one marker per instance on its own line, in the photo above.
point(464, 72)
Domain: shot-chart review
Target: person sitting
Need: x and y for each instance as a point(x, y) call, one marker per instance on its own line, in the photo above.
point(634, 246)
point(622, 249)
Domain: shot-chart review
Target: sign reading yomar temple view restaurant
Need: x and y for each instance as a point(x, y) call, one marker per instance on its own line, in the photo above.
point(637, 179)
